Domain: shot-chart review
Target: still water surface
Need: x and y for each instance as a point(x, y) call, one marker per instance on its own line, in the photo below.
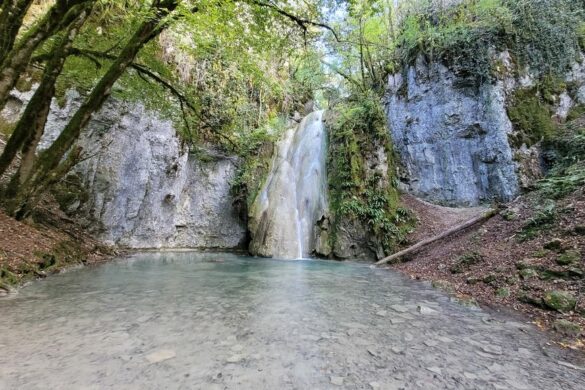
point(223, 321)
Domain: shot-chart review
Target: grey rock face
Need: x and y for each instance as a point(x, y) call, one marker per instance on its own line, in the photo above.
point(145, 190)
point(452, 142)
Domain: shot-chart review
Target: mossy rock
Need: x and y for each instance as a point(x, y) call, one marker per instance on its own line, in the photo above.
point(503, 292)
point(444, 285)
point(528, 273)
point(567, 328)
point(579, 230)
point(531, 117)
point(530, 299)
point(490, 279)
point(509, 215)
point(554, 245)
point(8, 277)
point(569, 257)
point(465, 261)
point(539, 254)
point(561, 301)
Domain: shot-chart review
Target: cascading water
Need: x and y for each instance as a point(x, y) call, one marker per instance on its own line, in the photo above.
point(294, 196)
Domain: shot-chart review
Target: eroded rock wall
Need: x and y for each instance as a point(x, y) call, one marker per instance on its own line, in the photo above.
point(143, 188)
point(453, 139)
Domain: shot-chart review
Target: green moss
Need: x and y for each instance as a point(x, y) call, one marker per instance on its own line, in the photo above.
point(364, 194)
point(465, 261)
point(561, 301)
point(576, 112)
point(531, 117)
point(6, 128)
point(542, 35)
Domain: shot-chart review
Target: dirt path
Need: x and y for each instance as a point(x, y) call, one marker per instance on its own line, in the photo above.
point(491, 264)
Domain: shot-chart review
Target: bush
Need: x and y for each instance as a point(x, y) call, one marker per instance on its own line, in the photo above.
point(546, 35)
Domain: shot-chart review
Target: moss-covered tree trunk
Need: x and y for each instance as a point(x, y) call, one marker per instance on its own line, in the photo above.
point(47, 169)
point(11, 17)
point(31, 124)
point(58, 17)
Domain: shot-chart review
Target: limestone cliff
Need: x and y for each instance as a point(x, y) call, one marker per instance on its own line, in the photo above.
point(454, 140)
point(142, 188)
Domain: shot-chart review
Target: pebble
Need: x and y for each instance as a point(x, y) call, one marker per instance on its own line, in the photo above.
point(374, 385)
point(493, 349)
point(399, 308)
point(235, 358)
point(426, 310)
point(435, 370)
point(431, 343)
point(337, 380)
point(569, 365)
point(237, 348)
point(160, 356)
point(469, 375)
point(381, 313)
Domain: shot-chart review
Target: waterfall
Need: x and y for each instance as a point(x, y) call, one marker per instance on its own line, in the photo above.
point(294, 196)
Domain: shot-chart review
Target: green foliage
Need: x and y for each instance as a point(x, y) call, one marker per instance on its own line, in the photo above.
point(542, 34)
point(568, 171)
point(357, 191)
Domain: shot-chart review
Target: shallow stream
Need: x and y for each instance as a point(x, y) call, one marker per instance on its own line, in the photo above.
point(223, 321)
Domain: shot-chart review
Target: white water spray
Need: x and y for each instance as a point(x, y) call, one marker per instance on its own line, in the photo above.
point(294, 197)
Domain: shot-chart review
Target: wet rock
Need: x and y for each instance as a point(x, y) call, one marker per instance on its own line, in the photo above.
point(561, 301)
point(336, 380)
point(160, 356)
point(567, 328)
point(569, 257)
point(235, 358)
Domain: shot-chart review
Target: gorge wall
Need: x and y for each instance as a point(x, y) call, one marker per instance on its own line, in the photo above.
point(141, 187)
point(453, 140)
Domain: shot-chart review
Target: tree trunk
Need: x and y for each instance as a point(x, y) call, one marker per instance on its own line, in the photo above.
point(31, 125)
point(11, 16)
point(484, 217)
point(59, 16)
point(47, 168)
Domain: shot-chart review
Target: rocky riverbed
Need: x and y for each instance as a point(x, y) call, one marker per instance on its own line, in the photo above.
point(222, 321)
